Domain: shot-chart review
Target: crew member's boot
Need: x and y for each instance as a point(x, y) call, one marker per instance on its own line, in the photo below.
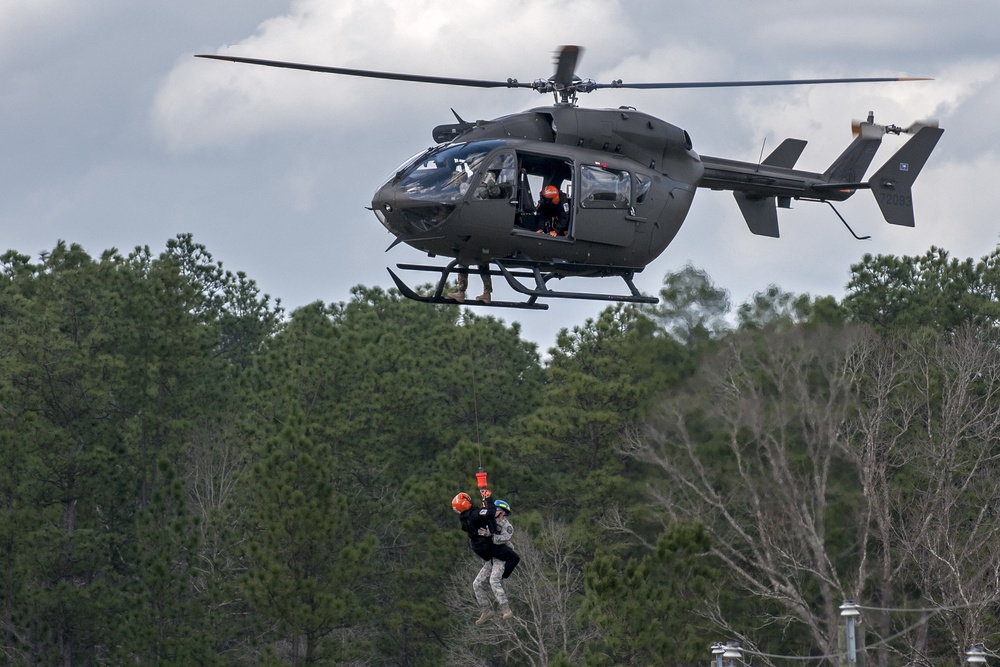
point(462, 283)
point(485, 616)
point(487, 285)
point(505, 611)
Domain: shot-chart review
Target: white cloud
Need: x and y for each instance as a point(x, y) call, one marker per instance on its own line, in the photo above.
point(204, 103)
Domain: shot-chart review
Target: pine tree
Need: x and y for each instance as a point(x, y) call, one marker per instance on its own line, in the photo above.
point(305, 565)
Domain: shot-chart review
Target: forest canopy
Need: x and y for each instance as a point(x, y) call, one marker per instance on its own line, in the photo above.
point(191, 475)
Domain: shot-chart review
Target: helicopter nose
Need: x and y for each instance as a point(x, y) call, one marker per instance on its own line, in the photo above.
point(384, 209)
point(407, 217)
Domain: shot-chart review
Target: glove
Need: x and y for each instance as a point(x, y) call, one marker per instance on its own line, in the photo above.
point(485, 493)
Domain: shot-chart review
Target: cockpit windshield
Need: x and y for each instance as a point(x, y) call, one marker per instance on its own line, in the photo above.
point(444, 172)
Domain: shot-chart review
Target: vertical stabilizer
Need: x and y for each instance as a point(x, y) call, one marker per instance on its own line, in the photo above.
point(786, 154)
point(852, 164)
point(891, 184)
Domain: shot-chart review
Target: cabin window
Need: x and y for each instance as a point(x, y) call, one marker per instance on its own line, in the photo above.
point(601, 187)
point(499, 179)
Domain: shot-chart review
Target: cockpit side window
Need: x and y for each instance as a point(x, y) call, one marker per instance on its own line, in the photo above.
point(444, 173)
point(601, 187)
point(499, 180)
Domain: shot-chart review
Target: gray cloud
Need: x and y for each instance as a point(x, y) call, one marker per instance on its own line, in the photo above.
point(113, 135)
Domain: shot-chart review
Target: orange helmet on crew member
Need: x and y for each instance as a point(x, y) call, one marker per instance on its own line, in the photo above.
point(461, 502)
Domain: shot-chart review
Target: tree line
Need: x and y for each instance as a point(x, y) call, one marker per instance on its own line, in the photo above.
point(190, 475)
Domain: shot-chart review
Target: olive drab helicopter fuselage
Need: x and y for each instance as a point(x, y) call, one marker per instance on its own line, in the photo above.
point(621, 183)
point(475, 198)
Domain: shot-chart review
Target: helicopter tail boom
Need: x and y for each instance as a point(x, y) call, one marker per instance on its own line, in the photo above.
point(760, 189)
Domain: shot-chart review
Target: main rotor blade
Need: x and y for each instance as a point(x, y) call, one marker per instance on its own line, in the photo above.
point(566, 65)
point(448, 81)
point(749, 84)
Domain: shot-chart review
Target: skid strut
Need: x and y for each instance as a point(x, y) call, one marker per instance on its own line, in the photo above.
point(513, 270)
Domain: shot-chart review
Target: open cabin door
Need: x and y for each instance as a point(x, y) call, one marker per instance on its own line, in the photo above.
point(536, 173)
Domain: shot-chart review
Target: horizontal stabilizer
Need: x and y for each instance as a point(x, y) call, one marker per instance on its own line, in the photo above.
point(786, 154)
point(761, 213)
point(891, 184)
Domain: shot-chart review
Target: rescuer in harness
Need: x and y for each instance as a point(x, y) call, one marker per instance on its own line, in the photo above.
point(495, 570)
point(489, 532)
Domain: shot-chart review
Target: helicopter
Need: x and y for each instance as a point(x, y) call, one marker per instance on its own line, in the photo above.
point(613, 185)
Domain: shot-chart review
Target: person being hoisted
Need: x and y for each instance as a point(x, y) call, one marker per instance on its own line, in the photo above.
point(483, 525)
point(498, 568)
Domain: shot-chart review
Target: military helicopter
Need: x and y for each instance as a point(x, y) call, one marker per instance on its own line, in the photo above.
point(617, 185)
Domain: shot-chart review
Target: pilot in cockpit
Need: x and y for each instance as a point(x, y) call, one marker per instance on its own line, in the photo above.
point(491, 186)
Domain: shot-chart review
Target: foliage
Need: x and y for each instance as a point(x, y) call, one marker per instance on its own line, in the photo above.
point(833, 463)
point(931, 291)
point(108, 365)
point(189, 476)
point(692, 309)
point(407, 400)
point(601, 379)
point(752, 448)
point(649, 610)
point(303, 566)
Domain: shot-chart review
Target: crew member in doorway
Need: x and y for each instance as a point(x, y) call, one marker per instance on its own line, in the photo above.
point(553, 212)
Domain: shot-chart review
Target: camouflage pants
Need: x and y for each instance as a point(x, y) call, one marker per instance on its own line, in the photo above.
point(492, 572)
point(462, 280)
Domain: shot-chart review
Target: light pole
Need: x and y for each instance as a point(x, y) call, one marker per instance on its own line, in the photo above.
point(850, 612)
point(732, 651)
point(717, 650)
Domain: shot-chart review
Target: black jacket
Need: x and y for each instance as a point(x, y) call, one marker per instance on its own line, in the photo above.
point(479, 523)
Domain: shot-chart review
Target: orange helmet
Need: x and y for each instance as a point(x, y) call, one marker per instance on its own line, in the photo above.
point(461, 502)
point(551, 193)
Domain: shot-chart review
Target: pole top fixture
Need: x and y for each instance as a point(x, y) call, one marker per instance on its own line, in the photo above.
point(850, 608)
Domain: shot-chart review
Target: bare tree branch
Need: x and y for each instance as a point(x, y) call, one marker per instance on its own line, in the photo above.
point(544, 593)
point(893, 442)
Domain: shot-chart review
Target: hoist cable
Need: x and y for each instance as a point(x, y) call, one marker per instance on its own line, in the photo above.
point(475, 393)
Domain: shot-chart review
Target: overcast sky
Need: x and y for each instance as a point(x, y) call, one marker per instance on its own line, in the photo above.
point(113, 135)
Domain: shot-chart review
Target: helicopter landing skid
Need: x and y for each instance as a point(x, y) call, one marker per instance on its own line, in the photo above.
point(439, 297)
point(541, 272)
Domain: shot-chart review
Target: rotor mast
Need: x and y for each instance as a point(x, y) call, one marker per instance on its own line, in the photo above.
point(564, 84)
